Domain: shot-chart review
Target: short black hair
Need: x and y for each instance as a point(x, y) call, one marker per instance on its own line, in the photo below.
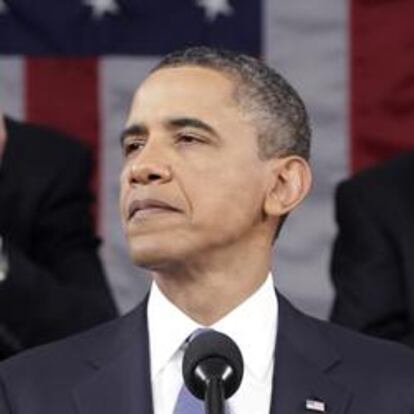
point(276, 108)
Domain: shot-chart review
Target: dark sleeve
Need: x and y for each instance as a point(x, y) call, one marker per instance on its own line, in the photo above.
point(4, 406)
point(366, 270)
point(58, 287)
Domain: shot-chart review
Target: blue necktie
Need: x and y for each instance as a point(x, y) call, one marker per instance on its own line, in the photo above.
point(187, 403)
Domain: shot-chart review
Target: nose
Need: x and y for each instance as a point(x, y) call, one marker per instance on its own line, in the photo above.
point(149, 171)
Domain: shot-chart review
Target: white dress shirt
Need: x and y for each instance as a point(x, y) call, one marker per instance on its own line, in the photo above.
point(252, 325)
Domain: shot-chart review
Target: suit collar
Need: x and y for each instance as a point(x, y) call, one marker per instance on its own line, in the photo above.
point(303, 360)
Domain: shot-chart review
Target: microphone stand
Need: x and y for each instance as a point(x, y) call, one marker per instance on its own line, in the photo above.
point(214, 398)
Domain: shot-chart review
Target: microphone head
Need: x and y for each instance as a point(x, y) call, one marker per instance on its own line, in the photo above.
point(212, 353)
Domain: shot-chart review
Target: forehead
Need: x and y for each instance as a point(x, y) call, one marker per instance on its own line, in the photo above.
point(185, 87)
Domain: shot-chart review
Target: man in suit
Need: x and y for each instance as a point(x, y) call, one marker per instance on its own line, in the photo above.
point(52, 282)
point(215, 150)
point(373, 261)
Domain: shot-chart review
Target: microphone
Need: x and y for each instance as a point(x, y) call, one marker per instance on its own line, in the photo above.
point(212, 369)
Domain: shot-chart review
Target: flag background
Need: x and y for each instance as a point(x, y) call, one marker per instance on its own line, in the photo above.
point(352, 61)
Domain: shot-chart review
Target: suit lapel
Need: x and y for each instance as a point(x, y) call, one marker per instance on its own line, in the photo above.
point(121, 379)
point(303, 359)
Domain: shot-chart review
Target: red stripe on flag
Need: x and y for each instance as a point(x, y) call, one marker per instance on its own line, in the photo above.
point(63, 93)
point(382, 80)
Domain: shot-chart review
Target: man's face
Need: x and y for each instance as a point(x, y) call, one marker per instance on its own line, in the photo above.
point(192, 181)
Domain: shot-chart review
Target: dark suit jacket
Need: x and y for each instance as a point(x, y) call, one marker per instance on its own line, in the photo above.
point(373, 256)
point(56, 285)
point(106, 371)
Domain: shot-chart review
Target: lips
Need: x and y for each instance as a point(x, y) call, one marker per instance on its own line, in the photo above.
point(146, 206)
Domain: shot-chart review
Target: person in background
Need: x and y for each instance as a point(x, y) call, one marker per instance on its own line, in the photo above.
point(52, 283)
point(215, 156)
point(373, 256)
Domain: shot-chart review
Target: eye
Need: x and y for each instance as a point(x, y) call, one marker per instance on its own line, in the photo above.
point(131, 146)
point(189, 139)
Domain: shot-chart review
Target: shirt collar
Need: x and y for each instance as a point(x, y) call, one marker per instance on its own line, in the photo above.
point(252, 325)
point(168, 328)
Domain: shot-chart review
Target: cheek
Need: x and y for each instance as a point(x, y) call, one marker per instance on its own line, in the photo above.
point(228, 198)
point(123, 190)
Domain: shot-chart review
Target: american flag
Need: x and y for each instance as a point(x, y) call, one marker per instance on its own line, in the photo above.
point(73, 65)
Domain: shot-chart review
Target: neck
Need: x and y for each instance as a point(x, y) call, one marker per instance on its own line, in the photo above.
point(208, 288)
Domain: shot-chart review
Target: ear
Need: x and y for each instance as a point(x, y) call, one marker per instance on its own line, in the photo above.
point(290, 182)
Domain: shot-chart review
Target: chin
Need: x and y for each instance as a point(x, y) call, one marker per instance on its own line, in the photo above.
point(164, 250)
point(156, 256)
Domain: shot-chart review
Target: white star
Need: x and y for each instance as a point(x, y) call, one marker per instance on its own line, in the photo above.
point(3, 7)
point(101, 7)
point(215, 7)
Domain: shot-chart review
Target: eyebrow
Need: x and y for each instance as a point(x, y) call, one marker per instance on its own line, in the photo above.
point(173, 123)
point(134, 129)
point(192, 123)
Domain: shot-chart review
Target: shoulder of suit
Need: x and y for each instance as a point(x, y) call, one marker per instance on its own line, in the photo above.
point(70, 357)
point(349, 353)
point(368, 356)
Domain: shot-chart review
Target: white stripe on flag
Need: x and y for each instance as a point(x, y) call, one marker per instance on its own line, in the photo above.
point(307, 42)
point(119, 79)
point(12, 86)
